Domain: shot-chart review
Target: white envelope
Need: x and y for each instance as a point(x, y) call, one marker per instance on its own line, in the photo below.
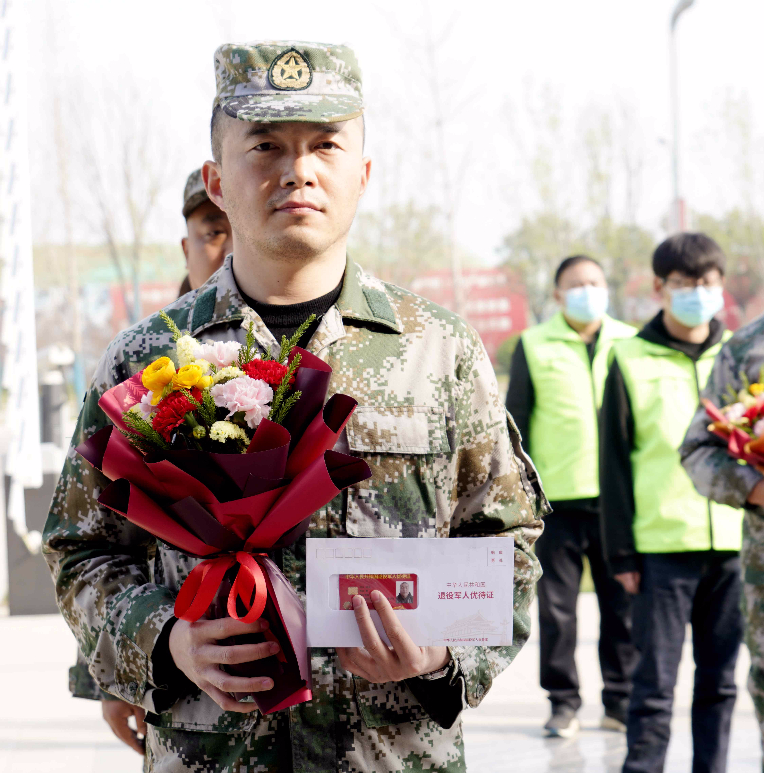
point(464, 588)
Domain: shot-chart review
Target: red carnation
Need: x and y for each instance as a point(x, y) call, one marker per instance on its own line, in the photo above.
point(172, 410)
point(270, 371)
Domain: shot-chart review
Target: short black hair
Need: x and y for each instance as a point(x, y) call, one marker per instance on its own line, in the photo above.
point(217, 141)
point(691, 254)
point(573, 260)
point(215, 138)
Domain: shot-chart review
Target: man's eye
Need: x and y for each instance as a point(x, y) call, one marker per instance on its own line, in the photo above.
point(326, 145)
point(263, 146)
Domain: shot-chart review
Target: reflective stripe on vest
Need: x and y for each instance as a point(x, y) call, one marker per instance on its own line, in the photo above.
point(670, 516)
point(563, 440)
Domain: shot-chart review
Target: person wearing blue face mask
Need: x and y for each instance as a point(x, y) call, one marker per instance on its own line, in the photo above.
point(675, 550)
point(556, 380)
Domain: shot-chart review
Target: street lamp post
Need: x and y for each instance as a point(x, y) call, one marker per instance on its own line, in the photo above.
point(678, 204)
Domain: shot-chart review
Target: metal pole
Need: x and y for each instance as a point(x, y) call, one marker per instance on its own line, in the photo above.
point(678, 214)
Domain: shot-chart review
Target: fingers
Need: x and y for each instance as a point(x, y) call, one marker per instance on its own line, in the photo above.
point(237, 653)
point(348, 660)
point(369, 636)
point(227, 702)
point(230, 683)
point(140, 719)
point(401, 642)
point(225, 627)
point(116, 714)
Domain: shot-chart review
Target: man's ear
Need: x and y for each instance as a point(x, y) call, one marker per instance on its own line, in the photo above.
point(211, 177)
point(558, 296)
point(184, 245)
point(658, 286)
point(365, 173)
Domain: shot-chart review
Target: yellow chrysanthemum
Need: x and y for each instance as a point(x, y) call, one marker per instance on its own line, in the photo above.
point(157, 375)
point(756, 389)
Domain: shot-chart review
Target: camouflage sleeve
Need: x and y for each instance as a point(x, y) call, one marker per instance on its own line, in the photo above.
point(82, 685)
point(497, 493)
point(100, 569)
point(714, 472)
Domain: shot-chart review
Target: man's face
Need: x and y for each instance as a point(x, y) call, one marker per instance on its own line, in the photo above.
point(404, 589)
point(207, 244)
point(580, 274)
point(290, 189)
point(676, 280)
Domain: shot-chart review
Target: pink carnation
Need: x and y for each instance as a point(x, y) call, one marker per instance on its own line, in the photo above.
point(244, 394)
point(219, 353)
point(758, 428)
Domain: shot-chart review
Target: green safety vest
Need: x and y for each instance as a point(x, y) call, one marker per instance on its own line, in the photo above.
point(664, 388)
point(563, 435)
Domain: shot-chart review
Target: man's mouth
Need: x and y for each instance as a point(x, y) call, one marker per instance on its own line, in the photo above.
point(297, 207)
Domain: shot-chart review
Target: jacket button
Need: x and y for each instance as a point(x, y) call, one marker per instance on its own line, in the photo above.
point(479, 691)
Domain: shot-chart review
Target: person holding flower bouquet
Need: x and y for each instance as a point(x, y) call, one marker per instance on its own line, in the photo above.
point(673, 548)
point(209, 444)
point(723, 453)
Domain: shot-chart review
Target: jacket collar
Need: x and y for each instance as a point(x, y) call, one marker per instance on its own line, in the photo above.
point(655, 333)
point(363, 299)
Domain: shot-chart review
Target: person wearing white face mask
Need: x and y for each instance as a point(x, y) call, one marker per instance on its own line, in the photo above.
point(556, 380)
point(674, 549)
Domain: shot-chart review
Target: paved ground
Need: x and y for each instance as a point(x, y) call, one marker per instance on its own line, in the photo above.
point(43, 730)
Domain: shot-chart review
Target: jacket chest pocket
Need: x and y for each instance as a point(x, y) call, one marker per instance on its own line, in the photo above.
point(401, 444)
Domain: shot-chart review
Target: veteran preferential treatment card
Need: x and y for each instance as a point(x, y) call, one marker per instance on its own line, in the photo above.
point(445, 591)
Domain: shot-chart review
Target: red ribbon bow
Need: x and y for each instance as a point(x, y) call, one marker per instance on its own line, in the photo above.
point(202, 584)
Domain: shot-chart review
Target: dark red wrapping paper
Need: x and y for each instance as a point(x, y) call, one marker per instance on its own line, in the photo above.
point(229, 508)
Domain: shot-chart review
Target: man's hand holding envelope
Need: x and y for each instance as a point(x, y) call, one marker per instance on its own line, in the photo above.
point(375, 661)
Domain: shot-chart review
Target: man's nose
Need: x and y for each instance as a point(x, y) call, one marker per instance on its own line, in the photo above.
point(299, 172)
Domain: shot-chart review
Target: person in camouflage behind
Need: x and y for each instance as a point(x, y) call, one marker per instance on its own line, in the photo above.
point(205, 245)
point(289, 170)
point(721, 478)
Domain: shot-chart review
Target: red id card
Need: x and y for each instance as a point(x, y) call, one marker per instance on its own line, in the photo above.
point(401, 590)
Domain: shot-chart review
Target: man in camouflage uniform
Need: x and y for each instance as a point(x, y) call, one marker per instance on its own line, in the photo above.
point(446, 458)
point(205, 245)
point(718, 476)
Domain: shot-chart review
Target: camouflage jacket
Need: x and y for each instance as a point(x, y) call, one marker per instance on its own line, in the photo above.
point(715, 474)
point(446, 461)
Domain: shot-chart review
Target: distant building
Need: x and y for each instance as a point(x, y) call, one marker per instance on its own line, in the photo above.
point(495, 303)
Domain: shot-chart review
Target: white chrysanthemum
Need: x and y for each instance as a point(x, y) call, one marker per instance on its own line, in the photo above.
point(226, 430)
point(204, 365)
point(186, 348)
point(226, 374)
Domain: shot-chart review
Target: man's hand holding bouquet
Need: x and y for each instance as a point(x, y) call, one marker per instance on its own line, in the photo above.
point(225, 454)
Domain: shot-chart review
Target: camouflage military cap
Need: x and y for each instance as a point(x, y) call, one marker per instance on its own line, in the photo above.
point(288, 81)
point(194, 193)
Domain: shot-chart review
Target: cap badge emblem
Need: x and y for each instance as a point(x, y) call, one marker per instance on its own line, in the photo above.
point(290, 71)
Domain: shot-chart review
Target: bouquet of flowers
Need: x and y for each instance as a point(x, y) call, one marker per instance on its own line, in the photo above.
point(741, 421)
point(224, 454)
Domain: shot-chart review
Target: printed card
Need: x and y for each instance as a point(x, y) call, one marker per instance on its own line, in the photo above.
point(399, 589)
point(444, 591)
